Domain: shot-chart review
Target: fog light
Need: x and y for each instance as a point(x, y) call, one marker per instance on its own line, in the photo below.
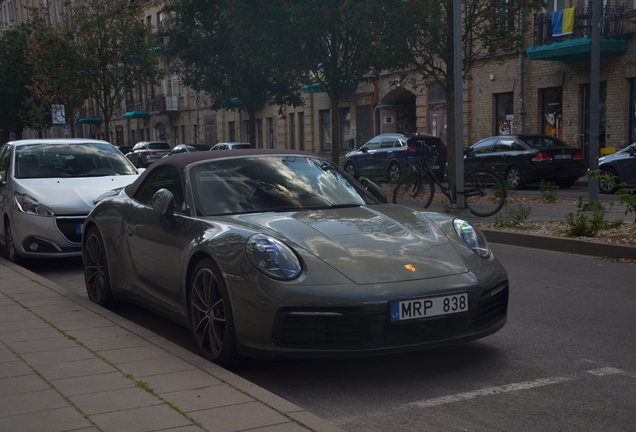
point(33, 246)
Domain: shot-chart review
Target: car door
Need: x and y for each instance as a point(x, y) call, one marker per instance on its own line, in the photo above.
point(505, 153)
point(157, 247)
point(365, 159)
point(480, 155)
point(627, 167)
point(386, 154)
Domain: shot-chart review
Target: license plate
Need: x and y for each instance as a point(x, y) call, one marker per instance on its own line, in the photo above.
point(435, 167)
point(403, 310)
point(78, 228)
point(563, 156)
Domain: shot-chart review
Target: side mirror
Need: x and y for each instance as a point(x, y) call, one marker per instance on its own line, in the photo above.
point(164, 205)
point(374, 189)
point(363, 149)
point(632, 151)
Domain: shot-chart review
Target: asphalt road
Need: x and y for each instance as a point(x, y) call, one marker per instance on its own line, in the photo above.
point(566, 360)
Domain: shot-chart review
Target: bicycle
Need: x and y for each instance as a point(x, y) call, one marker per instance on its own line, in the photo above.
point(484, 191)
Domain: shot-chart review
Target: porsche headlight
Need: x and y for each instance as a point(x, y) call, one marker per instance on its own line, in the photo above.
point(473, 237)
point(273, 258)
point(27, 204)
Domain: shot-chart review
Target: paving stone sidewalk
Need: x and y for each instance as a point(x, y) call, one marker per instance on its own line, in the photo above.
point(67, 364)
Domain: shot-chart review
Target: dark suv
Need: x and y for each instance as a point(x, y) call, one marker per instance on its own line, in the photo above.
point(387, 155)
point(146, 152)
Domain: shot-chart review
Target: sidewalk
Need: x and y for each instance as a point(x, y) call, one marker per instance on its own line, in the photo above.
point(67, 364)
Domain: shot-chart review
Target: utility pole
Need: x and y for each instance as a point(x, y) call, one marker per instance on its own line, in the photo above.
point(459, 105)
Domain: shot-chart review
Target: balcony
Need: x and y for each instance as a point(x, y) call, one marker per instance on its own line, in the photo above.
point(162, 105)
point(574, 43)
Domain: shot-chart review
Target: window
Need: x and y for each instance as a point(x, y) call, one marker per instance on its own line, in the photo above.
point(259, 133)
point(374, 144)
point(345, 129)
point(163, 178)
point(504, 113)
point(486, 146)
point(270, 132)
point(325, 130)
point(555, 5)
point(551, 104)
point(301, 130)
point(231, 131)
point(292, 131)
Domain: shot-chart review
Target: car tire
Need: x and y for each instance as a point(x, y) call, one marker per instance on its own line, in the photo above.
point(514, 178)
point(609, 181)
point(566, 183)
point(9, 244)
point(96, 269)
point(394, 172)
point(351, 170)
point(210, 315)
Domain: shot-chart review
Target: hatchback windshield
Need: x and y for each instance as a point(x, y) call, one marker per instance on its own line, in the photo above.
point(273, 183)
point(70, 160)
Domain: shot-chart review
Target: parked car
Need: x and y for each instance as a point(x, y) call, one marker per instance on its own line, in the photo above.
point(618, 170)
point(230, 146)
point(387, 155)
point(201, 147)
point(48, 186)
point(181, 148)
point(125, 149)
point(146, 152)
point(268, 253)
point(523, 159)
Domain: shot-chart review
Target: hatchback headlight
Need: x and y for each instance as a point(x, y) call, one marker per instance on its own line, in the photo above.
point(272, 257)
point(27, 204)
point(473, 237)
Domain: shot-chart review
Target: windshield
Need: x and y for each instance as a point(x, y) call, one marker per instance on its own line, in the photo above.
point(272, 183)
point(159, 146)
point(43, 160)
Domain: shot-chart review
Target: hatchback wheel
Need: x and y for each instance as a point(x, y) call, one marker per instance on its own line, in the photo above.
point(608, 183)
point(350, 169)
point(210, 315)
point(394, 173)
point(514, 179)
point(9, 243)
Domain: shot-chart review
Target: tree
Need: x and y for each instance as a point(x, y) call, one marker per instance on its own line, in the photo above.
point(424, 39)
point(56, 67)
point(116, 49)
point(237, 52)
point(16, 76)
point(340, 41)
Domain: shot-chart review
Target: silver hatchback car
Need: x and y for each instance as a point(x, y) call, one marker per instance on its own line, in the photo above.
point(48, 187)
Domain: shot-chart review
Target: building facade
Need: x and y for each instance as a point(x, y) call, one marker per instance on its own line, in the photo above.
point(543, 90)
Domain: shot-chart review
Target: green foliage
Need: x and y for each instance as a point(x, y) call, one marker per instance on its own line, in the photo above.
point(548, 191)
point(16, 75)
point(589, 219)
point(628, 198)
point(512, 216)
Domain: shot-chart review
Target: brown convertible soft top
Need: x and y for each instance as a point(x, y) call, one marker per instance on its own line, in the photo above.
point(180, 160)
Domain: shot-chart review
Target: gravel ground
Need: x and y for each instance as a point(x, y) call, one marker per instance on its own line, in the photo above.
point(623, 235)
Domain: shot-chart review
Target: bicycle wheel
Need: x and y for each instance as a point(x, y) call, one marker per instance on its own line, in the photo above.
point(484, 192)
point(414, 191)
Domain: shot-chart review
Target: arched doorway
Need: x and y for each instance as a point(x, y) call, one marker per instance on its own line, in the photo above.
point(396, 113)
point(160, 132)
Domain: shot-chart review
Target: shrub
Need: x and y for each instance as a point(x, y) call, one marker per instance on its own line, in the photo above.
point(589, 219)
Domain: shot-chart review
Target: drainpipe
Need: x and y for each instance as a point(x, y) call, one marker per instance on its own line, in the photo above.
point(376, 91)
point(522, 111)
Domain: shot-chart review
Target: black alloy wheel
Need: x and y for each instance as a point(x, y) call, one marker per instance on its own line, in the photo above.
point(350, 169)
point(96, 273)
point(210, 315)
point(394, 172)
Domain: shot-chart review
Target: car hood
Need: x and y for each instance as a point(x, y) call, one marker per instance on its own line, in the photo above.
point(71, 195)
point(367, 244)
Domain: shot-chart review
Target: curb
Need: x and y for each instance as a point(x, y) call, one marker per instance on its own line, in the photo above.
point(558, 244)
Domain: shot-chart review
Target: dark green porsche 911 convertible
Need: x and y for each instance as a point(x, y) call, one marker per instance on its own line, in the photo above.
point(280, 253)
